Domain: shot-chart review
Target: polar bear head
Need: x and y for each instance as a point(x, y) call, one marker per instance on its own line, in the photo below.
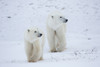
point(32, 34)
point(55, 19)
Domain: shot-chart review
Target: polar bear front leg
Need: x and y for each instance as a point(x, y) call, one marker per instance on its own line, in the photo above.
point(51, 39)
point(28, 49)
point(41, 58)
point(36, 51)
point(61, 36)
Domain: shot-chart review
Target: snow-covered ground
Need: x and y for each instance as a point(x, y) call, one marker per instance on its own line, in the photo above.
point(83, 32)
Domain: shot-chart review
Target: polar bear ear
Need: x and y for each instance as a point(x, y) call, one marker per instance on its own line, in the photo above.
point(28, 30)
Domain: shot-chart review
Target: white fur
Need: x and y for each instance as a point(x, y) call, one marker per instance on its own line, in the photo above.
point(56, 30)
point(34, 44)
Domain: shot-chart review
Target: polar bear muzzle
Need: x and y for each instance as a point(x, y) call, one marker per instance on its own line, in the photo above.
point(63, 19)
point(39, 35)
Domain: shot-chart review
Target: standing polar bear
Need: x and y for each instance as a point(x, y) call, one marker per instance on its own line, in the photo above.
point(34, 42)
point(56, 31)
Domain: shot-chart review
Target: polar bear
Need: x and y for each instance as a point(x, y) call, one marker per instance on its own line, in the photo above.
point(56, 31)
point(34, 42)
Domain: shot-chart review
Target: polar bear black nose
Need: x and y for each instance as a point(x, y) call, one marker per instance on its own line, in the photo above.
point(66, 20)
point(40, 34)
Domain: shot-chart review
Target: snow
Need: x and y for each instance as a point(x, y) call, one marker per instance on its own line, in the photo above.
point(83, 35)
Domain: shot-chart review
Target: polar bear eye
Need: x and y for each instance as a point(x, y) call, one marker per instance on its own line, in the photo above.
point(60, 17)
point(52, 16)
point(28, 30)
point(35, 31)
